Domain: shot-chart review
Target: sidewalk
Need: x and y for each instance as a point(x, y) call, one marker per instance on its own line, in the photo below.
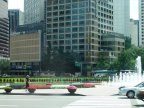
point(99, 90)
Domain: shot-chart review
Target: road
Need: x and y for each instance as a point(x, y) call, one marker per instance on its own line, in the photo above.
point(101, 97)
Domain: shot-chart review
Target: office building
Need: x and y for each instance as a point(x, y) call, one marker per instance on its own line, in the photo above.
point(121, 9)
point(27, 49)
point(33, 11)
point(15, 19)
point(134, 32)
point(112, 45)
point(141, 23)
point(77, 25)
point(4, 30)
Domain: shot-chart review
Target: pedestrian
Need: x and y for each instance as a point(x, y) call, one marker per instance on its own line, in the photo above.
point(27, 81)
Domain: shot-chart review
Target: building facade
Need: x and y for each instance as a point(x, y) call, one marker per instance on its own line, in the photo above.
point(77, 25)
point(34, 11)
point(15, 19)
point(141, 23)
point(134, 32)
point(27, 48)
point(4, 30)
point(121, 9)
point(112, 45)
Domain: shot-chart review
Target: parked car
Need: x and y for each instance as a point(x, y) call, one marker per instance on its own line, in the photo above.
point(140, 94)
point(130, 92)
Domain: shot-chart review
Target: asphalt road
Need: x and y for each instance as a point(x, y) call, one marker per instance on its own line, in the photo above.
point(36, 101)
point(99, 97)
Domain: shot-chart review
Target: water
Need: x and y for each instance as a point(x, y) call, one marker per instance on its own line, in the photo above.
point(129, 78)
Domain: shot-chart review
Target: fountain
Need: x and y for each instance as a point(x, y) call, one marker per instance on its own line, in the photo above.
point(128, 77)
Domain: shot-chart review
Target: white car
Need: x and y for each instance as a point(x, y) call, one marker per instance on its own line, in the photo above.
point(130, 92)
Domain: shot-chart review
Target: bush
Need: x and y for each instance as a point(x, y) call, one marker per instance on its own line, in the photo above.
point(7, 89)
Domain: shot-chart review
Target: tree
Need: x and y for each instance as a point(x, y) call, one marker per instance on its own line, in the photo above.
point(59, 61)
point(127, 59)
point(4, 66)
point(103, 63)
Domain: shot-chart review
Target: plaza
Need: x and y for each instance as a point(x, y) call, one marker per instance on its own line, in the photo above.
point(102, 96)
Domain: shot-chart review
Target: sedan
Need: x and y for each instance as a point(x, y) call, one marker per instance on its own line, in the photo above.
point(130, 92)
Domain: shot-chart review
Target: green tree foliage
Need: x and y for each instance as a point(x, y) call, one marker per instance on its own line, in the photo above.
point(103, 63)
point(4, 66)
point(127, 59)
point(127, 42)
point(60, 62)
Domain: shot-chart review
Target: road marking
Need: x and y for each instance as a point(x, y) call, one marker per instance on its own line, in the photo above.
point(9, 106)
point(100, 102)
point(22, 99)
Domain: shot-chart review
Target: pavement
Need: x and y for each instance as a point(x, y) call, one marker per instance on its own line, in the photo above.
point(102, 96)
point(108, 90)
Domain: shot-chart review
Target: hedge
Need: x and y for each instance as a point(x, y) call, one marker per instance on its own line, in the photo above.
point(54, 79)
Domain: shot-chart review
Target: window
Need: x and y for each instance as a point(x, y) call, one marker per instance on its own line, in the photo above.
point(75, 17)
point(74, 35)
point(67, 42)
point(61, 7)
point(61, 36)
point(61, 30)
point(81, 29)
point(68, 23)
point(75, 23)
point(68, 6)
point(75, 29)
point(75, 11)
point(67, 30)
point(61, 1)
point(68, 1)
point(74, 5)
point(68, 36)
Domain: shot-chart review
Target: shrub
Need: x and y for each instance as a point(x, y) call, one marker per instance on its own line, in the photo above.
point(7, 89)
point(88, 85)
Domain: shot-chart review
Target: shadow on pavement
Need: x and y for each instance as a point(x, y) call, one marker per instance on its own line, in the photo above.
point(139, 105)
point(115, 95)
point(123, 98)
point(43, 94)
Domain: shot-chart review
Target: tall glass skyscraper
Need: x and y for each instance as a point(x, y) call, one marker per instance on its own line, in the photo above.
point(77, 25)
point(15, 19)
point(34, 11)
point(122, 17)
point(4, 30)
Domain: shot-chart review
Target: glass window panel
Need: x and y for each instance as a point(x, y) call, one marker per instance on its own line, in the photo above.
point(74, 5)
point(61, 30)
point(81, 29)
point(75, 11)
point(75, 29)
point(68, 23)
point(61, 1)
point(68, 35)
point(75, 17)
point(67, 30)
point(61, 7)
point(74, 35)
point(75, 23)
point(61, 36)
point(68, 6)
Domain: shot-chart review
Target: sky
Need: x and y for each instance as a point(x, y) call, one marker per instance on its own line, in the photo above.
point(18, 4)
